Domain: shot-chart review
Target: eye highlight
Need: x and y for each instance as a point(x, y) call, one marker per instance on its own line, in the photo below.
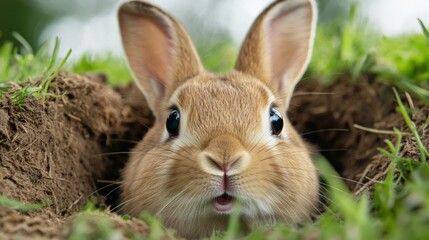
point(276, 122)
point(173, 122)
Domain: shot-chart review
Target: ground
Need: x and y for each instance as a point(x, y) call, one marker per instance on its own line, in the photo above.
point(67, 149)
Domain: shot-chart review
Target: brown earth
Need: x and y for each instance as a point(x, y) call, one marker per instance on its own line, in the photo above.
point(327, 115)
point(57, 150)
point(71, 147)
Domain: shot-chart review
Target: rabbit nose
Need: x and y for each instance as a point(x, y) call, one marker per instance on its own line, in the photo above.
point(224, 155)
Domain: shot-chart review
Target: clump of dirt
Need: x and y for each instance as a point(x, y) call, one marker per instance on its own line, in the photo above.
point(73, 146)
point(16, 225)
point(85, 225)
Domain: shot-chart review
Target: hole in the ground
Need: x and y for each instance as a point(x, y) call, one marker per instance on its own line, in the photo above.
point(119, 145)
point(118, 153)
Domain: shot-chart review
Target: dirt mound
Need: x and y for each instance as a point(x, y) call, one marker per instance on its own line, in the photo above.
point(54, 151)
point(37, 140)
point(70, 147)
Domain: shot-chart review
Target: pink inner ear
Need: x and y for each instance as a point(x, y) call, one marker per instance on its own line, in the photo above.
point(150, 47)
point(289, 45)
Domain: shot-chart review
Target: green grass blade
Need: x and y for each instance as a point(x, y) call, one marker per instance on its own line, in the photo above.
point(424, 154)
point(234, 223)
point(10, 203)
point(403, 82)
point(4, 87)
point(5, 57)
point(54, 54)
point(23, 42)
point(52, 71)
point(89, 226)
point(51, 76)
point(424, 29)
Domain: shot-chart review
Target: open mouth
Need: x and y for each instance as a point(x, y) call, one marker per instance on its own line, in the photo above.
point(223, 203)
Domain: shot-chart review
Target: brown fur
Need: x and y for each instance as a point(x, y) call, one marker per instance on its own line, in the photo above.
point(224, 126)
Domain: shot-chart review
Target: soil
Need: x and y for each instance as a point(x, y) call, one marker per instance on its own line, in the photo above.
point(58, 150)
point(330, 118)
point(69, 148)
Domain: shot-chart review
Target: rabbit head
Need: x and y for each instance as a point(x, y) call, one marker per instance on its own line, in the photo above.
point(219, 139)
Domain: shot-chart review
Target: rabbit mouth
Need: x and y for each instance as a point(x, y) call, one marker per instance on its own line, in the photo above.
point(223, 203)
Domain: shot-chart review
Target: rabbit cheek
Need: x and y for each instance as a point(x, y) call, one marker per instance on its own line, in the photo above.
point(299, 186)
point(280, 187)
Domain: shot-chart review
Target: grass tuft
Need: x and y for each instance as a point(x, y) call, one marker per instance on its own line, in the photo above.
point(343, 47)
point(21, 70)
point(424, 154)
point(351, 47)
point(88, 226)
point(156, 228)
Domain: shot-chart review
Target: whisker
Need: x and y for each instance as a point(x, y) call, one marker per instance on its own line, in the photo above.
point(299, 94)
point(326, 130)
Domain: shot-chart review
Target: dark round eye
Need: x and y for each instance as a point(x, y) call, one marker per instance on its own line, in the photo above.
point(276, 122)
point(173, 122)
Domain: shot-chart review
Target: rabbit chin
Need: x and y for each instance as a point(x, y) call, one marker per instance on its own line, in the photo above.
point(205, 219)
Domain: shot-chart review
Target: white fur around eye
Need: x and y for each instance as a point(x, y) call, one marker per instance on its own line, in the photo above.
point(165, 135)
point(264, 135)
point(184, 139)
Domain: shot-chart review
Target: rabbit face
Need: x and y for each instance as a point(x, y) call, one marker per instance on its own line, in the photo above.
point(226, 151)
point(219, 140)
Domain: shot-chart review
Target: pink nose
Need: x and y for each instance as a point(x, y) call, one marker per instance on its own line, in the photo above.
point(219, 166)
point(224, 155)
point(222, 165)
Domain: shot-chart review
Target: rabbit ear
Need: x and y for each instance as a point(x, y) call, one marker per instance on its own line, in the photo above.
point(278, 46)
point(159, 51)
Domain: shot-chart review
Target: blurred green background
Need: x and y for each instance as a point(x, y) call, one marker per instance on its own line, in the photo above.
point(31, 18)
point(80, 21)
point(349, 38)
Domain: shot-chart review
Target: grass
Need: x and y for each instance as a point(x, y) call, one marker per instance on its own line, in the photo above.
point(27, 74)
point(17, 205)
point(352, 48)
point(113, 67)
point(218, 56)
point(424, 154)
point(399, 206)
point(391, 201)
point(343, 47)
point(93, 226)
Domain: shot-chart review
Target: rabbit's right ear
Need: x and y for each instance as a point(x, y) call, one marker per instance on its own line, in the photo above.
point(159, 51)
point(278, 47)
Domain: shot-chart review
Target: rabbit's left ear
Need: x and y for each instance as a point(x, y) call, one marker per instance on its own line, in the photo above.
point(159, 50)
point(278, 47)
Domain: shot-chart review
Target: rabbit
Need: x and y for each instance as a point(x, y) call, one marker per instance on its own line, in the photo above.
point(219, 140)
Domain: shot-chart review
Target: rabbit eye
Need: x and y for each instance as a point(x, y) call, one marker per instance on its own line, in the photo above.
point(173, 122)
point(276, 121)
